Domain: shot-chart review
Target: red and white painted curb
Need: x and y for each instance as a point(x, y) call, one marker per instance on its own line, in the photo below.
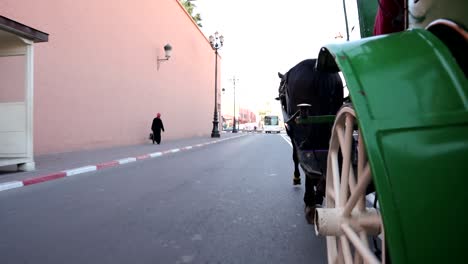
point(76, 171)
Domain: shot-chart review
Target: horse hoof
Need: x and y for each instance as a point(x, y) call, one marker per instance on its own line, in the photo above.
point(309, 213)
point(297, 181)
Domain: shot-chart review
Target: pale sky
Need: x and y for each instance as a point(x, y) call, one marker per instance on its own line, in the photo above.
point(264, 37)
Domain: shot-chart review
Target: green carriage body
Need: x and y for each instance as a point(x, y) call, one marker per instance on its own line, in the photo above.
point(411, 99)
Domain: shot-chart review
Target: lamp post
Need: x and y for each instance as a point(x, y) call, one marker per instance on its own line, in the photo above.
point(346, 20)
point(216, 43)
point(234, 129)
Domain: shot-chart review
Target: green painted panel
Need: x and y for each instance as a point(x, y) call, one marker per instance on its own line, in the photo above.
point(428, 169)
point(367, 10)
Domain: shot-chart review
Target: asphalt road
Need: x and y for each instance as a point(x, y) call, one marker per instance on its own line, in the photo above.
point(231, 202)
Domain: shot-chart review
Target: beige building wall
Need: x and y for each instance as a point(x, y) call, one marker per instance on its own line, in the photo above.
point(96, 80)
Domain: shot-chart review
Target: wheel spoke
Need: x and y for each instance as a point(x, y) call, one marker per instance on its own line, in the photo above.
point(361, 155)
point(359, 191)
point(348, 257)
point(331, 194)
point(331, 246)
point(352, 179)
point(336, 178)
point(364, 251)
point(340, 134)
point(332, 249)
point(329, 187)
point(357, 258)
point(370, 221)
point(363, 236)
point(362, 163)
point(346, 153)
point(361, 205)
point(339, 257)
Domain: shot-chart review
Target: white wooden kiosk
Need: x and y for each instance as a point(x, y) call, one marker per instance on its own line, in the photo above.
point(16, 117)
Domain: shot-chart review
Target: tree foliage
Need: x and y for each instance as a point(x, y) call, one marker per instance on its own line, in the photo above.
point(189, 6)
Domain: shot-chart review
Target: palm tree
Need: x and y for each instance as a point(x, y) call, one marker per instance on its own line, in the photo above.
point(189, 6)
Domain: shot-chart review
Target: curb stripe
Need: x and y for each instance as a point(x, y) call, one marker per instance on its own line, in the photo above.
point(155, 154)
point(44, 178)
point(126, 160)
point(187, 148)
point(142, 157)
point(171, 151)
point(10, 185)
point(80, 170)
point(107, 164)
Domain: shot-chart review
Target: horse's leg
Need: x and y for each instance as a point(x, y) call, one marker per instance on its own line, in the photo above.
point(309, 193)
point(320, 182)
point(320, 190)
point(297, 174)
point(309, 198)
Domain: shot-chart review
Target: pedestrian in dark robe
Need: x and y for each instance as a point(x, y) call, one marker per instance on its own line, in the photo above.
point(156, 127)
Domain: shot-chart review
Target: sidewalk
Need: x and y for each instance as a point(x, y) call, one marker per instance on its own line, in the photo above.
point(54, 166)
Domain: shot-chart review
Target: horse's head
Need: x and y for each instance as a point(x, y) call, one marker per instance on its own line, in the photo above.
point(282, 90)
point(282, 78)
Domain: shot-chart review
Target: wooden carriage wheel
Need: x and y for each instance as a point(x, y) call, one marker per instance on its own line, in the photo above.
point(346, 220)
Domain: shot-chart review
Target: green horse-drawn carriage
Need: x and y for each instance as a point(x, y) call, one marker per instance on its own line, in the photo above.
point(405, 135)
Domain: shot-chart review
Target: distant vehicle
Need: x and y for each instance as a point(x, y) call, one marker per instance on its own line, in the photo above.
point(250, 126)
point(271, 124)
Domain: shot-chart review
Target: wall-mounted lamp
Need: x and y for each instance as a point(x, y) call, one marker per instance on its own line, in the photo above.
point(167, 52)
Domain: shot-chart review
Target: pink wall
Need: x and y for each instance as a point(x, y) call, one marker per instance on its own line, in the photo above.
point(96, 82)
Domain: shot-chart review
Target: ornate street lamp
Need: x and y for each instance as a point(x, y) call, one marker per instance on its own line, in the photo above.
point(216, 43)
point(234, 129)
